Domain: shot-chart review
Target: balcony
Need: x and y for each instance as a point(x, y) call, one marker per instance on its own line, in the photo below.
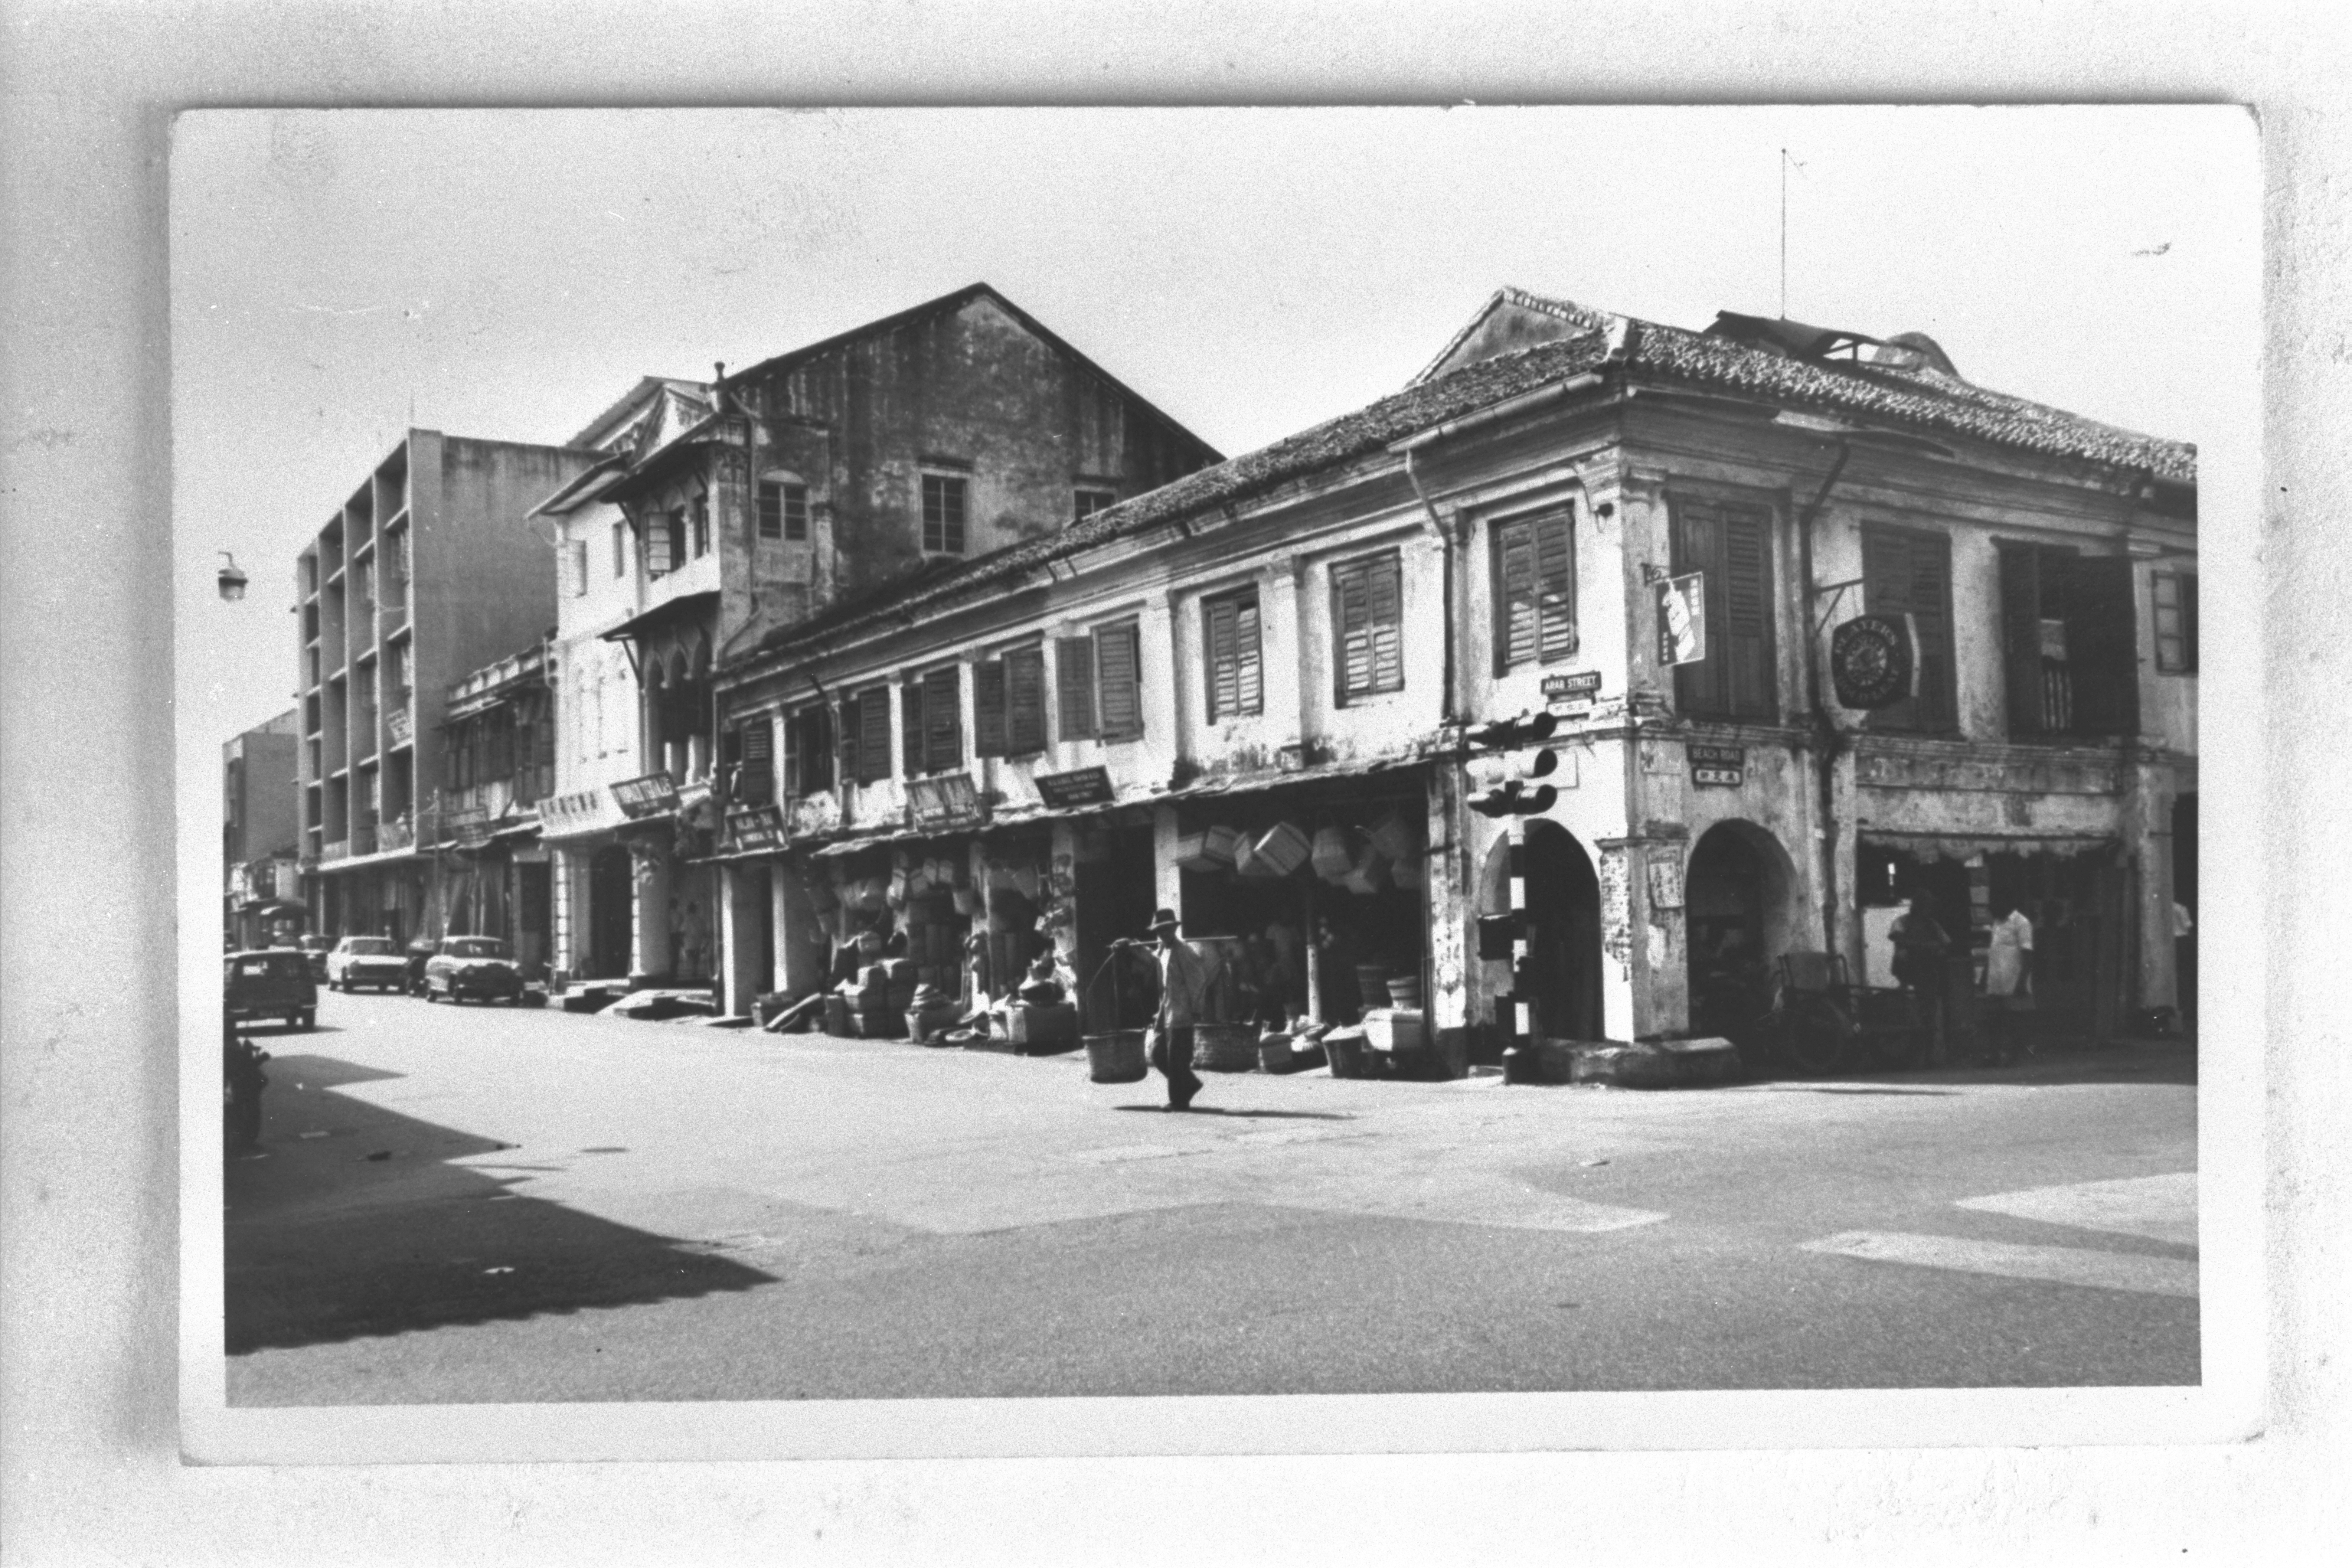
point(362, 841)
point(335, 849)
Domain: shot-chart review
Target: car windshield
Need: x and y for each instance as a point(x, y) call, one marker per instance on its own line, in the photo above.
point(255, 965)
point(317, 943)
point(476, 947)
point(367, 944)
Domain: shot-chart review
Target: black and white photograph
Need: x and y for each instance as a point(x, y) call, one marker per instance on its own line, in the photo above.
point(1079, 754)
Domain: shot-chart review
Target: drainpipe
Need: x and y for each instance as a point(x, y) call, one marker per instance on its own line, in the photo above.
point(1447, 706)
point(1828, 742)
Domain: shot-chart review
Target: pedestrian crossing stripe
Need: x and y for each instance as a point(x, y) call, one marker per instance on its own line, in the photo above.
point(2161, 1208)
point(2060, 1265)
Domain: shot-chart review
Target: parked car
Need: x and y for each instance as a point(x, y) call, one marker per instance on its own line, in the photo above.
point(480, 966)
point(271, 983)
point(315, 948)
point(374, 961)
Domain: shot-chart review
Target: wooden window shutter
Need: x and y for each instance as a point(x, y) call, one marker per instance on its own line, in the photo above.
point(1025, 699)
point(1388, 625)
point(874, 743)
point(796, 766)
point(988, 726)
point(1223, 687)
point(847, 739)
point(2188, 618)
point(1516, 630)
point(1748, 613)
point(1701, 688)
point(2020, 636)
point(943, 719)
point(1931, 614)
point(1249, 685)
point(1118, 680)
point(1556, 587)
point(1351, 617)
point(1074, 685)
point(910, 728)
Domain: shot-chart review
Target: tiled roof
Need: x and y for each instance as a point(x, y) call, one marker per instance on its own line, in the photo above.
point(1922, 397)
point(1335, 441)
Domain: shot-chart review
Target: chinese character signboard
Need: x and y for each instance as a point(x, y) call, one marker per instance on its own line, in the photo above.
point(1682, 619)
point(949, 801)
point(1572, 691)
point(1665, 883)
point(756, 827)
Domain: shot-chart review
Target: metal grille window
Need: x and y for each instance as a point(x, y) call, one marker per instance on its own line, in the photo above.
point(1366, 616)
point(2174, 596)
point(1535, 590)
point(1906, 572)
point(1731, 545)
point(930, 721)
point(1236, 682)
point(943, 514)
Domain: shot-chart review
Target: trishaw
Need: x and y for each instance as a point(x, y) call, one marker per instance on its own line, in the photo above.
point(1804, 1013)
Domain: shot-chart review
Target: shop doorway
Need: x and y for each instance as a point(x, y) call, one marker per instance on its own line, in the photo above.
point(1739, 918)
point(1563, 896)
point(533, 906)
point(611, 894)
point(1116, 897)
point(2077, 904)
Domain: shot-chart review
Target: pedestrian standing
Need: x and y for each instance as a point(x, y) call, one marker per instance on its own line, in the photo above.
point(1183, 990)
point(2008, 983)
point(1921, 944)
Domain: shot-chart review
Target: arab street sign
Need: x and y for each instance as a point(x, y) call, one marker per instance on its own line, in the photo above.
point(1874, 661)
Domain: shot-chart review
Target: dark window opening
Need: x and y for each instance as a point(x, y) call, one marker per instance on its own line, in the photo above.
point(1090, 501)
point(2069, 642)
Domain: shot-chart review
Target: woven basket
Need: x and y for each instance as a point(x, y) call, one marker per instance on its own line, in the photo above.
point(1117, 1057)
point(1224, 1047)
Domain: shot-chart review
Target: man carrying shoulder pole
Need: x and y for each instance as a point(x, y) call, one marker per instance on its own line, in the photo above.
point(1183, 984)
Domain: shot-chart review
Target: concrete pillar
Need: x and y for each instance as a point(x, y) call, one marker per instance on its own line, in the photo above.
point(1170, 887)
point(1452, 900)
point(649, 954)
point(1619, 926)
point(2147, 847)
point(746, 963)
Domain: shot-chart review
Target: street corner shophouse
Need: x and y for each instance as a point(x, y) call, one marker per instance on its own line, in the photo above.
point(1664, 538)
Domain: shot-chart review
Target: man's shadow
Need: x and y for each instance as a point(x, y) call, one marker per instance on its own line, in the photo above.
point(1271, 1115)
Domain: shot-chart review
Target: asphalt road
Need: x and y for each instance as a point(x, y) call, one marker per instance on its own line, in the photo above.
point(491, 1205)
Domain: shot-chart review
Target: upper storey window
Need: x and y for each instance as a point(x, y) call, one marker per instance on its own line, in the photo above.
point(783, 510)
point(1535, 590)
point(1730, 545)
point(943, 514)
point(1908, 571)
point(1230, 633)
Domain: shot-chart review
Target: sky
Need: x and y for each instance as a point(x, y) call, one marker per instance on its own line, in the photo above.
point(338, 275)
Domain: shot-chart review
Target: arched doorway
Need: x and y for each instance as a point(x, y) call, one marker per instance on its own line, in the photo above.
point(612, 893)
point(1737, 914)
point(1563, 906)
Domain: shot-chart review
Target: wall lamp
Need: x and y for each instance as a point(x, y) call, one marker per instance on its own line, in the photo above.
point(232, 579)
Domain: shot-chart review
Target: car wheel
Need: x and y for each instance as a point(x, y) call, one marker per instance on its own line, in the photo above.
point(309, 1020)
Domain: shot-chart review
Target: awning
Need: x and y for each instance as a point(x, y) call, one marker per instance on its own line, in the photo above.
point(669, 612)
point(1929, 846)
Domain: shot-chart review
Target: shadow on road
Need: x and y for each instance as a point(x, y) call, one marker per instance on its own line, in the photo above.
point(2139, 1061)
point(1272, 1115)
point(357, 1223)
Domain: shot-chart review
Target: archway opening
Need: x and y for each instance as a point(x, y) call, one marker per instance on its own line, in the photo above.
point(1738, 917)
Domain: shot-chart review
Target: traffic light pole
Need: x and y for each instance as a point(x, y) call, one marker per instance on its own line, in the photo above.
point(1515, 1007)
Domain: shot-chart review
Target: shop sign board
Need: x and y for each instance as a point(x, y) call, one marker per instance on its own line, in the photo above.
point(1722, 765)
point(530, 854)
point(1682, 619)
point(1665, 884)
point(756, 827)
point(1874, 661)
point(1572, 692)
point(470, 826)
point(654, 795)
point(949, 801)
point(1086, 786)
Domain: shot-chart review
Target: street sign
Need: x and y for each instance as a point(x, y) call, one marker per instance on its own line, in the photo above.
point(1682, 619)
point(1573, 685)
point(1086, 786)
point(1721, 765)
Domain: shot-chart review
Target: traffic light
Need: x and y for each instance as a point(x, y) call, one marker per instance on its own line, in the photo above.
point(1498, 935)
point(1518, 791)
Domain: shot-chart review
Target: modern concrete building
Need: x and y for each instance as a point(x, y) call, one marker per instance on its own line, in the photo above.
point(720, 514)
point(258, 831)
point(1674, 541)
point(423, 575)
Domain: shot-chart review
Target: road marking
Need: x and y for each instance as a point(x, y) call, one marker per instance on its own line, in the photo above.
point(2061, 1265)
point(2161, 1208)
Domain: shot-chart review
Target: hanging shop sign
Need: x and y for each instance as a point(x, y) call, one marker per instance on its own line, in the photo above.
point(1682, 619)
point(1087, 786)
point(654, 795)
point(950, 801)
point(1874, 661)
point(398, 726)
point(756, 827)
point(1725, 765)
point(1665, 884)
point(470, 826)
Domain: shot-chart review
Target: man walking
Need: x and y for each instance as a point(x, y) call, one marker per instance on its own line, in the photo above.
point(1920, 945)
point(1183, 984)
